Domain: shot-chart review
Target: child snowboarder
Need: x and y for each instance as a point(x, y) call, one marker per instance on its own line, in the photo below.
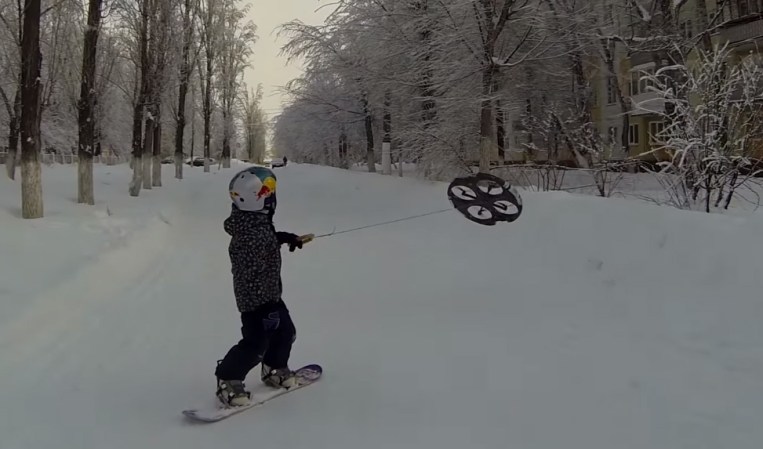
point(267, 329)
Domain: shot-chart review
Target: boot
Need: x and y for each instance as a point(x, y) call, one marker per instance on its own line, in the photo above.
point(232, 393)
point(278, 377)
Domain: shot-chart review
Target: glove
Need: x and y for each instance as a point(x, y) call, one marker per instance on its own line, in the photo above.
point(293, 240)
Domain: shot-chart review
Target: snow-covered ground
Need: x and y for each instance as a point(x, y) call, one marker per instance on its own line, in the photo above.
point(589, 323)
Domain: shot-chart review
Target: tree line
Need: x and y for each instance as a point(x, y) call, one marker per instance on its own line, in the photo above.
point(444, 84)
point(131, 74)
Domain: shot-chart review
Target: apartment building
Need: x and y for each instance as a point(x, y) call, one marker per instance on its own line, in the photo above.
point(624, 111)
point(736, 22)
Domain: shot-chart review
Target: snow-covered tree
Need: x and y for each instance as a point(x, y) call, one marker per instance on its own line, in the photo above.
point(134, 58)
point(237, 38)
point(11, 16)
point(142, 91)
point(150, 42)
point(255, 125)
point(711, 133)
point(87, 120)
point(31, 176)
point(187, 63)
point(336, 56)
point(162, 44)
point(426, 74)
point(210, 18)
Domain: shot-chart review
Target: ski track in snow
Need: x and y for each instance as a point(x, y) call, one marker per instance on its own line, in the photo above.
point(586, 324)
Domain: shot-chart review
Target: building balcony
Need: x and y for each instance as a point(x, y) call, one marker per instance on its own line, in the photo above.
point(638, 58)
point(647, 103)
point(742, 29)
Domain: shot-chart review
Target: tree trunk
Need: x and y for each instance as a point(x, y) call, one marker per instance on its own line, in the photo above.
point(425, 85)
point(226, 139)
point(137, 149)
point(85, 178)
point(400, 162)
point(180, 131)
point(148, 142)
point(487, 137)
point(14, 128)
point(86, 117)
point(148, 139)
point(185, 76)
point(207, 113)
point(226, 153)
point(387, 139)
point(140, 104)
point(500, 131)
point(368, 120)
point(160, 49)
point(180, 128)
point(486, 121)
point(250, 135)
point(13, 139)
point(151, 66)
point(156, 180)
point(179, 165)
point(31, 60)
point(193, 123)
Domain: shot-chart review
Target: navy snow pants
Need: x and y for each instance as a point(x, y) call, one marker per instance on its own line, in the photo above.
point(268, 335)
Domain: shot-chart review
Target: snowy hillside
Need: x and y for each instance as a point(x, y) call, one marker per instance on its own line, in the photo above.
point(588, 323)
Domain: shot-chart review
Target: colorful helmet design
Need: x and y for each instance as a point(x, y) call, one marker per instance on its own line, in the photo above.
point(254, 190)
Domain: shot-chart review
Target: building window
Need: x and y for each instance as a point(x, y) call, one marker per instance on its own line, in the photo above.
point(633, 85)
point(743, 8)
point(640, 81)
point(633, 134)
point(686, 29)
point(655, 132)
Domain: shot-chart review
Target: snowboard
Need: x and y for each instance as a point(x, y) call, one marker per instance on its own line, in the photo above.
point(261, 394)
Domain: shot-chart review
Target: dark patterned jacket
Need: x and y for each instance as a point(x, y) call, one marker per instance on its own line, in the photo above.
point(255, 256)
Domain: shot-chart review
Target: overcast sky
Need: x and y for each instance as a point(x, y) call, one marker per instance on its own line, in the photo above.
point(267, 67)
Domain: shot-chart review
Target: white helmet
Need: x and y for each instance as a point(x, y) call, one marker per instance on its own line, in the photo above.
point(254, 190)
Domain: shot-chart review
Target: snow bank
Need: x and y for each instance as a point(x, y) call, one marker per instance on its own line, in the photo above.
point(39, 254)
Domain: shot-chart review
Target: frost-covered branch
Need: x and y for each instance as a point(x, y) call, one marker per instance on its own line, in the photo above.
point(712, 134)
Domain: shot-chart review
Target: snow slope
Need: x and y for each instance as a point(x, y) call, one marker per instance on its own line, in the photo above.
point(588, 323)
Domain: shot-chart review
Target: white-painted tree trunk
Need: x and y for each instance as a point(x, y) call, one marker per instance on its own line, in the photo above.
point(10, 164)
point(179, 165)
point(137, 175)
point(31, 188)
point(85, 193)
point(86, 118)
point(148, 146)
point(31, 176)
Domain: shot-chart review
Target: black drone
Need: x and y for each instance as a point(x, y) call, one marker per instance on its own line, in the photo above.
point(485, 199)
